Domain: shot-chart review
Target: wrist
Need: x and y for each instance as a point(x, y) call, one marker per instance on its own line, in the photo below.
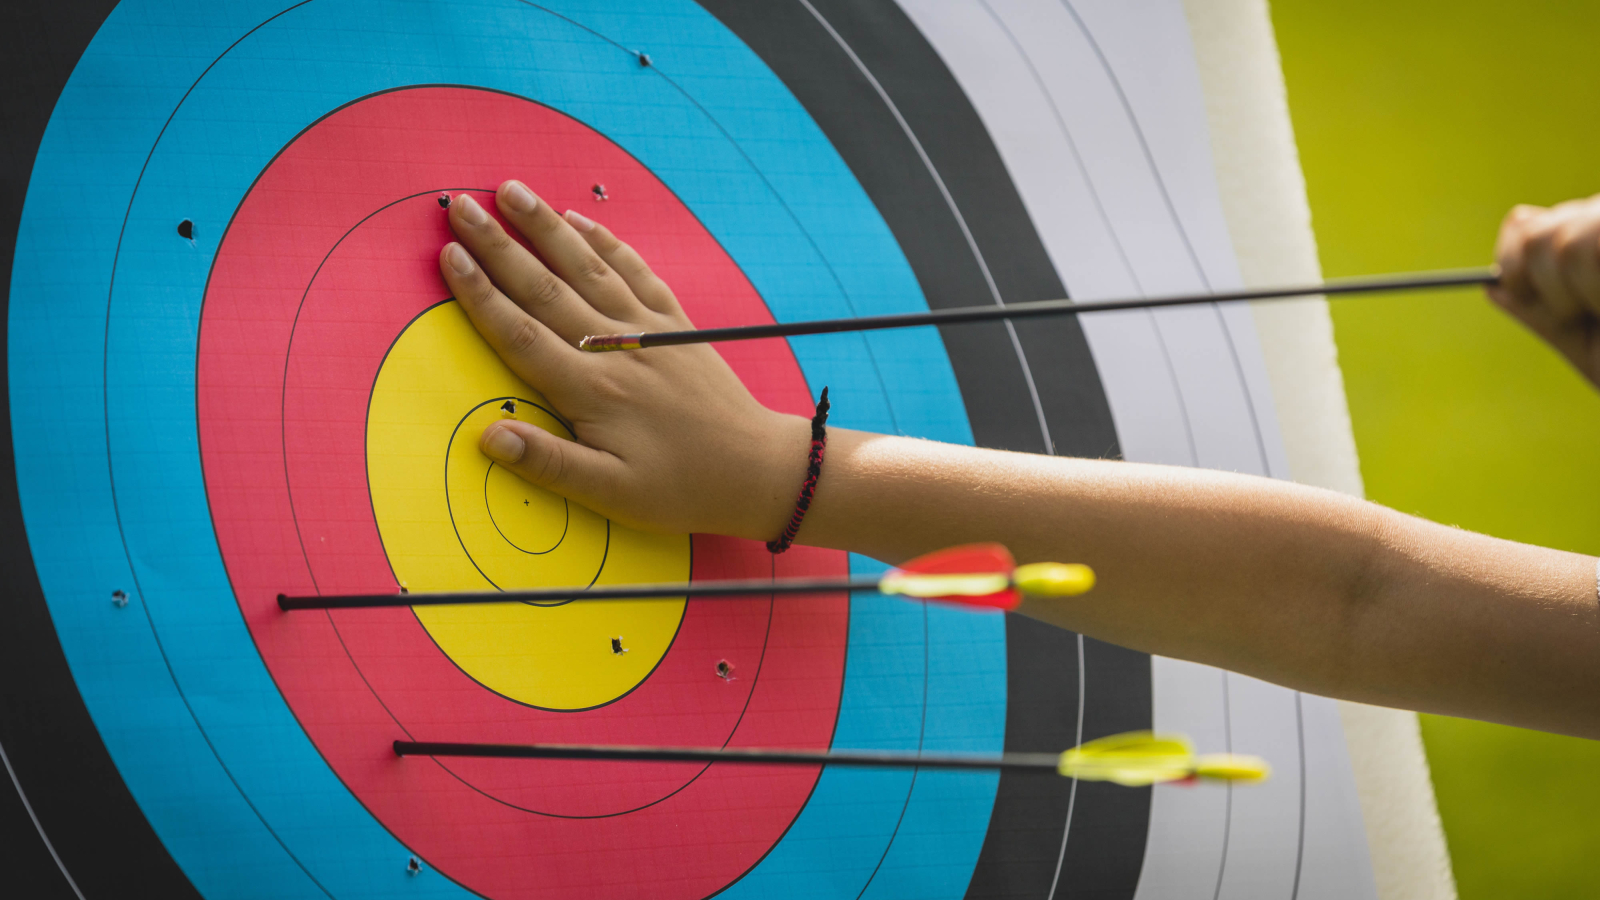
point(760, 507)
point(815, 451)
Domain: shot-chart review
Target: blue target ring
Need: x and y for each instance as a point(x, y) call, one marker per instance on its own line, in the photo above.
point(171, 114)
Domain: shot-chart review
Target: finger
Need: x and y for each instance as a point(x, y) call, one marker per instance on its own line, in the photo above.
point(645, 284)
point(1541, 250)
point(1577, 337)
point(1578, 254)
point(521, 276)
point(1509, 249)
point(1574, 338)
point(1513, 290)
point(536, 354)
point(589, 476)
point(568, 255)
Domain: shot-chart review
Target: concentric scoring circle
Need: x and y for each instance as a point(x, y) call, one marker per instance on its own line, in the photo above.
point(296, 347)
point(435, 497)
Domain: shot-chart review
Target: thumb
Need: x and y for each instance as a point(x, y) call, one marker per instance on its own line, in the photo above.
point(566, 467)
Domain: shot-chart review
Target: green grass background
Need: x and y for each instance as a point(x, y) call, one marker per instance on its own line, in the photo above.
point(1419, 124)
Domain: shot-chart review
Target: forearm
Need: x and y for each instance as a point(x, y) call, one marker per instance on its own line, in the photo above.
point(1296, 585)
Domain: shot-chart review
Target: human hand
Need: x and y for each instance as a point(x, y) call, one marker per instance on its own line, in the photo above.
point(1550, 277)
point(668, 439)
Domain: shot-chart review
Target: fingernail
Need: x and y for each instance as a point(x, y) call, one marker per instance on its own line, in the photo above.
point(471, 212)
point(579, 221)
point(519, 198)
point(458, 259)
point(502, 445)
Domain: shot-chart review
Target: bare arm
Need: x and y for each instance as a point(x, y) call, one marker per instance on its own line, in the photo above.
point(1300, 586)
point(1296, 585)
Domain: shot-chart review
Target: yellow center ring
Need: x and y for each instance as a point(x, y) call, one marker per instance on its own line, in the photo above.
point(451, 520)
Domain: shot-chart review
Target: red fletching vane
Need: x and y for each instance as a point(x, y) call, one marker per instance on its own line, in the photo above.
point(967, 562)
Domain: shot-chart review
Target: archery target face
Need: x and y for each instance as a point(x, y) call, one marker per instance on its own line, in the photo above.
point(225, 336)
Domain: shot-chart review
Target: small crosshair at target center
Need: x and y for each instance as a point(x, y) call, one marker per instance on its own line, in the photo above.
point(539, 526)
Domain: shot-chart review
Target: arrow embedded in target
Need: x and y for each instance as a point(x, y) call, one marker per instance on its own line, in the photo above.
point(1133, 759)
point(983, 575)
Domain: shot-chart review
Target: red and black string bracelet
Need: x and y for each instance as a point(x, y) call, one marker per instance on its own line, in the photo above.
point(808, 489)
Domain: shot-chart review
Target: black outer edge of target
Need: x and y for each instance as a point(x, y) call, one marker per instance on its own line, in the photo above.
point(83, 806)
point(1024, 842)
point(1109, 823)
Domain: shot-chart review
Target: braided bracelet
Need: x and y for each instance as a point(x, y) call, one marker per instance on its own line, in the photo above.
point(819, 445)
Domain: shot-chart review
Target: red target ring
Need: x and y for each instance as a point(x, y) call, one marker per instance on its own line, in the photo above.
point(328, 259)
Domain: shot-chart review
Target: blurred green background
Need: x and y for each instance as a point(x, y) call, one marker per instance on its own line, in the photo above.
point(1419, 124)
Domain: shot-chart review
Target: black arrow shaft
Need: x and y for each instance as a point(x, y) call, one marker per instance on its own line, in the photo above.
point(730, 588)
point(1035, 762)
point(1340, 287)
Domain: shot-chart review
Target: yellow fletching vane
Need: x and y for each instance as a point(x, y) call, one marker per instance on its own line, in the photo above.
point(1044, 579)
point(915, 584)
point(1140, 758)
point(1232, 767)
point(1050, 579)
point(1134, 759)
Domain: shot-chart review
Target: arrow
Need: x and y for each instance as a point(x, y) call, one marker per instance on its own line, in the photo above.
point(1134, 759)
point(1414, 281)
point(983, 575)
